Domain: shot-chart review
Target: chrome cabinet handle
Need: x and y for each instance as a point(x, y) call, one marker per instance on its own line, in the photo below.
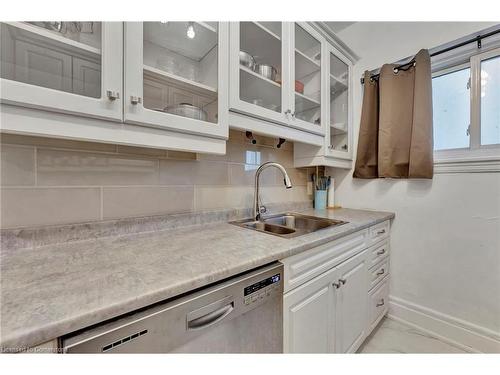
point(210, 318)
point(381, 231)
point(135, 100)
point(336, 285)
point(342, 281)
point(381, 272)
point(380, 252)
point(112, 95)
point(381, 303)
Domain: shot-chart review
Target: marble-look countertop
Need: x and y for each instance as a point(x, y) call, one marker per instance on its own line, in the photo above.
point(50, 291)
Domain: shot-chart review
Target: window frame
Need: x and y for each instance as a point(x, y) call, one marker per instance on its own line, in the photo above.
point(476, 157)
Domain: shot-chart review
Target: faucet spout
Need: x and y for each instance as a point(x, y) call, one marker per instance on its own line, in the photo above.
point(286, 180)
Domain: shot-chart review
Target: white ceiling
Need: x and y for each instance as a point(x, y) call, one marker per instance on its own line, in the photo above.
point(338, 26)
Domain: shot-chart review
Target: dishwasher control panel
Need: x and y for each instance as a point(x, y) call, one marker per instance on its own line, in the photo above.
point(261, 289)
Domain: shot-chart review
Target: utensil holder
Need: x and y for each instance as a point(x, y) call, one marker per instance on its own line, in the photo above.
point(320, 199)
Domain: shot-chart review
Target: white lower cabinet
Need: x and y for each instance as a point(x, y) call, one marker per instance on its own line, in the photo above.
point(337, 309)
point(351, 304)
point(308, 312)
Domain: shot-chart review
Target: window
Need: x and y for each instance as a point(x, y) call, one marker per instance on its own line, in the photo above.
point(490, 101)
point(466, 108)
point(451, 109)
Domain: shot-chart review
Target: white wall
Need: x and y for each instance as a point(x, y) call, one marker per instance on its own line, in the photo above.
point(446, 235)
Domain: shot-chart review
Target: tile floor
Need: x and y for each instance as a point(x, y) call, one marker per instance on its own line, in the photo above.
point(394, 337)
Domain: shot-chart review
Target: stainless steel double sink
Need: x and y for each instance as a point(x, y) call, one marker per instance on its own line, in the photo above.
point(288, 225)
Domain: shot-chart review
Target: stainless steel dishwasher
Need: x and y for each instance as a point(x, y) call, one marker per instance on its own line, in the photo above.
point(239, 315)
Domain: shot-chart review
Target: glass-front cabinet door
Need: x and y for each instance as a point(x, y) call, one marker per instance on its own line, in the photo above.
point(339, 130)
point(176, 76)
point(259, 83)
point(65, 66)
point(307, 78)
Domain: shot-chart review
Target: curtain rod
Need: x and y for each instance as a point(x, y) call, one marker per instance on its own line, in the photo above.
point(411, 63)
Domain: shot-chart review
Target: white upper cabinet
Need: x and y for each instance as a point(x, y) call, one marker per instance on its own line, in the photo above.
point(176, 76)
point(178, 85)
point(276, 75)
point(336, 150)
point(69, 67)
point(308, 85)
point(259, 70)
point(339, 131)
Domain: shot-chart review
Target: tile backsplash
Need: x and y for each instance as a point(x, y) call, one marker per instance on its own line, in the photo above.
point(50, 181)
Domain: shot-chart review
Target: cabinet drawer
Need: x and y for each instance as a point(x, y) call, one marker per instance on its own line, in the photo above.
point(379, 231)
point(378, 272)
point(309, 264)
point(379, 302)
point(378, 252)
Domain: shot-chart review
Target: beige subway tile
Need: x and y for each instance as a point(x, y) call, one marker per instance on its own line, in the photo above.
point(278, 194)
point(133, 150)
point(182, 155)
point(236, 136)
point(188, 172)
point(63, 168)
point(213, 157)
point(297, 175)
point(17, 165)
point(44, 206)
point(218, 197)
point(145, 201)
point(284, 157)
point(244, 174)
point(56, 143)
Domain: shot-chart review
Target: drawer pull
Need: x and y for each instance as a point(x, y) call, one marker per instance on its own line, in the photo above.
point(381, 303)
point(382, 231)
point(381, 272)
point(342, 281)
point(380, 252)
point(336, 285)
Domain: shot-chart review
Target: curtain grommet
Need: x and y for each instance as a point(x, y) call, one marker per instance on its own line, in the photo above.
point(395, 70)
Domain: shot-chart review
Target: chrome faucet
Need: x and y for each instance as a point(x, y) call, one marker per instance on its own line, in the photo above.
point(257, 208)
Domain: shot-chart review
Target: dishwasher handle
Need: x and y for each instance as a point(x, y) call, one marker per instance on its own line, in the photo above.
point(195, 321)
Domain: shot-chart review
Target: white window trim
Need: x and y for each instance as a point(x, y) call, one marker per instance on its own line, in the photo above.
point(476, 158)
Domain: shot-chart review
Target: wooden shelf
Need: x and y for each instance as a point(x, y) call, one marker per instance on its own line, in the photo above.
point(165, 76)
point(32, 32)
point(304, 103)
point(304, 65)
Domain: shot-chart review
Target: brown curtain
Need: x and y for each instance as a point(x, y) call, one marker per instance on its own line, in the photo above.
point(395, 136)
point(367, 159)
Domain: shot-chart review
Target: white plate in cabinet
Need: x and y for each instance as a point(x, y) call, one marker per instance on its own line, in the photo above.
point(378, 252)
point(163, 68)
point(308, 316)
point(379, 303)
point(351, 304)
point(378, 272)
point(304, 266)
point(380, 231)
point(75, 74)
